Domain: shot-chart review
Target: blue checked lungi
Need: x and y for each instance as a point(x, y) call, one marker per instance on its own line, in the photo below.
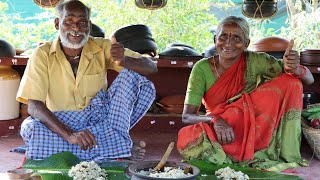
point(109, 117)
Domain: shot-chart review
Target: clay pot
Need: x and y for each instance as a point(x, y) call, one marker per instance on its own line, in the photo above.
point(134, 169)
point(176, 109)
point(172, 104)
point(46, 3)
point(310, 57)
point(96, 31)
point(179, 52)
point(172, 100)
point(151, 4)
point(259, 9)
point(210, 51)
point(6, 49)
point(270, 44)
point(137, 38)
point(179, 44)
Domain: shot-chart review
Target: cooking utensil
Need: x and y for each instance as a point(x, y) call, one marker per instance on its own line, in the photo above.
point(19, 173)
point(137, 37)
point(134, 170)
point(179, 52)
point(178, 109)
point(151, 4)
point(178, 44)
point(6, 49)
point(46, 3)
point(310, 57)
point(270, 44)
point(164, 158)
point(259, 9)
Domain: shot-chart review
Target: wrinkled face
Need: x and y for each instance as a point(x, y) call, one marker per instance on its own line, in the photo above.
point(74, 26)
point(230, 42)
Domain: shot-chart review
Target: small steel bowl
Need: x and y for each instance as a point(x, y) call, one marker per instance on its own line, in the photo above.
point(19, 173)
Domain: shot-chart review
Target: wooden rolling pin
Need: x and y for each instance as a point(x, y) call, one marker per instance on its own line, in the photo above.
point(164, 158)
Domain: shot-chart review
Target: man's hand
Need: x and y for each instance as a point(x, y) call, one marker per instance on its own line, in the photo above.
point(223, 131)
point(117, 51)
point(291, 60)
point(84, 139)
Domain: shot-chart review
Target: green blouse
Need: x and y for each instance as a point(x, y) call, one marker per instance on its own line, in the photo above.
point(260, 68)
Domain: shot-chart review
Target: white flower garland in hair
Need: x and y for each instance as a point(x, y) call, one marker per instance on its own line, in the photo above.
point(87, 171)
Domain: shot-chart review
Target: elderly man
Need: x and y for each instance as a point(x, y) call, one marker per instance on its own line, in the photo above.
point(65, 86)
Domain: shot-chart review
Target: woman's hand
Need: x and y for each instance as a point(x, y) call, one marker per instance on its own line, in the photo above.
point(291, 60)
point(84, 139)
point(223, 131)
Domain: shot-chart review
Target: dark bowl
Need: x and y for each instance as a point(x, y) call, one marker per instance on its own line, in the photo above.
point(134, 169)
point(137, 38)
point(312, 60)
point(6, 49)
point(179, 51)
point(268, 9)
point(150, 4)
point(132, 31)
point(179, 44)
point(210, 51)
point(96, 31)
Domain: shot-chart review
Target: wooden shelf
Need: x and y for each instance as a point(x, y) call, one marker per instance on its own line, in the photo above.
point(16, 60)
point(22, 60)
point(175, 63)
point(179, 63)
point(163, 115)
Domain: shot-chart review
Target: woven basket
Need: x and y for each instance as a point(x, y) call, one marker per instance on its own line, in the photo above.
point(46, 3)
point(312, 136)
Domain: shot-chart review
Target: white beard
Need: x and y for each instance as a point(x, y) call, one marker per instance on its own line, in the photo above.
point(65, 41)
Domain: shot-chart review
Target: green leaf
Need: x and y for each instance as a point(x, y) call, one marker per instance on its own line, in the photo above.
point(209, 169)
point(56, 167)
point(63, 160)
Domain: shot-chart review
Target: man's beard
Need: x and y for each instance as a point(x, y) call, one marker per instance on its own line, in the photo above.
point(65, 41)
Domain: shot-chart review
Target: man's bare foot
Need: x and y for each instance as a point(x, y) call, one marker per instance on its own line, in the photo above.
point(138, 151)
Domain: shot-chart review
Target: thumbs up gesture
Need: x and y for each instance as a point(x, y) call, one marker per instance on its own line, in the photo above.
point(291, 60)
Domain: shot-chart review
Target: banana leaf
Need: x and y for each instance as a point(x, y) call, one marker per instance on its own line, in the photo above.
point(56, 167)
point(207, 171)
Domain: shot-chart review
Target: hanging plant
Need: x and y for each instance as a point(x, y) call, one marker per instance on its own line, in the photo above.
point(304, 25)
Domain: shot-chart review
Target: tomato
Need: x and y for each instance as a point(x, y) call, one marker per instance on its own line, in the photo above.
point(315, 123)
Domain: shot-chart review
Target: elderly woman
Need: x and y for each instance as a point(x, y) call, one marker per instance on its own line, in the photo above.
point(253, 104)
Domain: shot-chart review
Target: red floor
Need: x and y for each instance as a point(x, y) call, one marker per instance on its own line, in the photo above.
point(157, 142)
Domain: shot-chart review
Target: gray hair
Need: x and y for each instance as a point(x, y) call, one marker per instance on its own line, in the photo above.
point(60, 8)
point(241, 22)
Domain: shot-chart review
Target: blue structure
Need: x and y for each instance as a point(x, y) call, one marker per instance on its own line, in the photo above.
point(29, 11)
point(26, 9)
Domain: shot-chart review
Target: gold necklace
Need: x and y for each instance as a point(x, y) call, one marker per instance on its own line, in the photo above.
point(215, 68)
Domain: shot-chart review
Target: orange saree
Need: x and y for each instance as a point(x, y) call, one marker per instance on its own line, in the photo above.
point(266, 123)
